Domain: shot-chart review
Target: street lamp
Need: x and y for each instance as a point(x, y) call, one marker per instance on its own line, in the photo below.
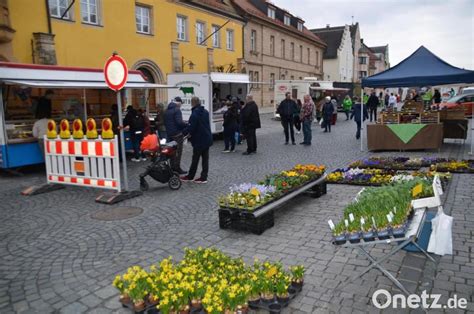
point(186, 62)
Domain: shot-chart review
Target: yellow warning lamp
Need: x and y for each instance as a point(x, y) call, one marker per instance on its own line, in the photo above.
point(64, 132)
point(107, 132)
point(51, 133)
point(77, 132)
point(91, 129)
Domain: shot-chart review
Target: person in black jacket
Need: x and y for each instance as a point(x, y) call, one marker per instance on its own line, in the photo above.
point(372, 104)
point(328, 110)
point(356, 114)
point(250, 122)
point(135, 123)
point(175, 125)
point(199, 130)
point(231, 124)
point(286, 110)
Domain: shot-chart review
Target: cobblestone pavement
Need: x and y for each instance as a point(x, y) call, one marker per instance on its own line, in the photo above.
point(54, 257)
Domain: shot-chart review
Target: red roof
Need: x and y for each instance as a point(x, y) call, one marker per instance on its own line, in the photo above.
point(249, 8)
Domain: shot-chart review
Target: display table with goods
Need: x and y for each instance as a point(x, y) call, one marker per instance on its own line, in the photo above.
point(392, 214)
point(208, 281)
point(454, 166)
point(405, 130)
point(397, 163)
point(251, 207)
point(378, 177)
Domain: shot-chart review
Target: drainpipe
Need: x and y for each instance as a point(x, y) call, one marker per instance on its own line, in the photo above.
point(50, 31)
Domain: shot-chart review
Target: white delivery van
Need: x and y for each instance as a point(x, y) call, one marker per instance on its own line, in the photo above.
point(298, 88)
point(212, 88)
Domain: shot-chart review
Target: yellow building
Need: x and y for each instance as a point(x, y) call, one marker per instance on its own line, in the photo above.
point(155, 36)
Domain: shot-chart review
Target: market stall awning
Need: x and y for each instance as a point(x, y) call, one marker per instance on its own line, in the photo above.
point(79, 84)
point(218, 77)
point(329, 88)
point(47, 76)
point(422, 68)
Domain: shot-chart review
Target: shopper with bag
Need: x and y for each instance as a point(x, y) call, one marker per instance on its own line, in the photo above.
point(286, 110)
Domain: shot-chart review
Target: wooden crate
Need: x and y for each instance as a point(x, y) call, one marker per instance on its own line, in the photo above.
point(452, 114)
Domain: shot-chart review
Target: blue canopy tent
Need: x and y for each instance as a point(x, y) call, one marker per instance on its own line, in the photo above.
point(421, 68)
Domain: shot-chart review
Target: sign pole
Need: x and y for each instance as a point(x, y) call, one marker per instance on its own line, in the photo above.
point(361, 118)
point(472, 137)
point(124, 186)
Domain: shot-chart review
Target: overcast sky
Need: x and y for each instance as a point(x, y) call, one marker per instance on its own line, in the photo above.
point(446, 27)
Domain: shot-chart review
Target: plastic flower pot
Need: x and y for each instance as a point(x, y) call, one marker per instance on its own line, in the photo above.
point(369, 236)
point(283, 299)
point(297, 284)
point(241, 309)
point(354, 237)
point(254, 301)
point(292, 291)
point(268, 298)
point(139, 306)
point(275, 308)
point(339, 239)
point(185, 309)
point(399, 231)
point(383, 234)
point(196, 304)
point(124, 299)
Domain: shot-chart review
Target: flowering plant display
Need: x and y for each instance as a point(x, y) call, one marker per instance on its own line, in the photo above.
point(249, 196)
point(379, 209)
point(456, 166)
point(207, 278)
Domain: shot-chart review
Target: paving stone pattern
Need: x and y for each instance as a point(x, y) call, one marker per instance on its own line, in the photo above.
point(55, 258)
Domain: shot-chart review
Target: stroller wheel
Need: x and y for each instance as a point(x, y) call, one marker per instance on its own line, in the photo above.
point(144, 185)
point(175, 182)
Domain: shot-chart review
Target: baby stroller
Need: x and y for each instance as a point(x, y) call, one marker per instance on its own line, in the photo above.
point(160, 167)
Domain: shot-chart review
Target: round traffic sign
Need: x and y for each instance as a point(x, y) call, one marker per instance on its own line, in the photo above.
point(116, 72)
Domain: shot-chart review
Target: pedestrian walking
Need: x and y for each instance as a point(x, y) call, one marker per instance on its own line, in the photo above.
point(347, 106)
point(328, 110)
point(386, 100)
point(286, 110)
point(200, 135)
point(307, 119)
point(437, 97)
point(231, 124)
point(356, 114)
point(174, 131)
point(135, 123)
point(296, 116)
point(250, 122)
point(160, 121)
point(372, 104)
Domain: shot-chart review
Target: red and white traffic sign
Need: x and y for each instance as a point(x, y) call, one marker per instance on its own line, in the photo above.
point(116, 72)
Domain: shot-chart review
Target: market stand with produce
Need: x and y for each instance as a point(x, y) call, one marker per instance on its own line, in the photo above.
point(78, 93)
point(424, 131)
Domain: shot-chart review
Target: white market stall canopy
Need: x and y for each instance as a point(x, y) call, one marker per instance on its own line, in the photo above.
point(239, 78)
point(49, 76)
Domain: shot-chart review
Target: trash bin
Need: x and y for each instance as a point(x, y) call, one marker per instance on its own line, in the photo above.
point(424, 237)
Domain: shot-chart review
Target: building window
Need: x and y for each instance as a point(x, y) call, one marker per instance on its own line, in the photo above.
point(272, 81)
point(271, 13)
point(292, 78)
point(58, 7)
point(89, 12)
point(309, 56)
point(300, 26)
point(251, 79)
point(230, 39)
point(253, 40)
point(200, 33)
point(216, 38)
point(362, 60)
point(317, 58)
point(287, 20)
point(272, 45)
point(283, 49)
point(292, 51)
point(301, 53)
point(362, 74)
point(143, 19)
point(181, 26)
point(282, 76)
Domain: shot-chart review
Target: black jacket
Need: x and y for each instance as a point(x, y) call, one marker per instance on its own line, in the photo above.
point(199, 128)
point(373, 102)
point(173, 121)
point(287, 108)
point(356, 108)
point(231, 118)
point(250, 117)
point(134, 120)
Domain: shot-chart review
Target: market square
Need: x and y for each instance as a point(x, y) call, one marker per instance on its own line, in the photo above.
point(266, 161)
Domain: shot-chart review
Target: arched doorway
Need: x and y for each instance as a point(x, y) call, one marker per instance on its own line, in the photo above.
point(153, 74)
